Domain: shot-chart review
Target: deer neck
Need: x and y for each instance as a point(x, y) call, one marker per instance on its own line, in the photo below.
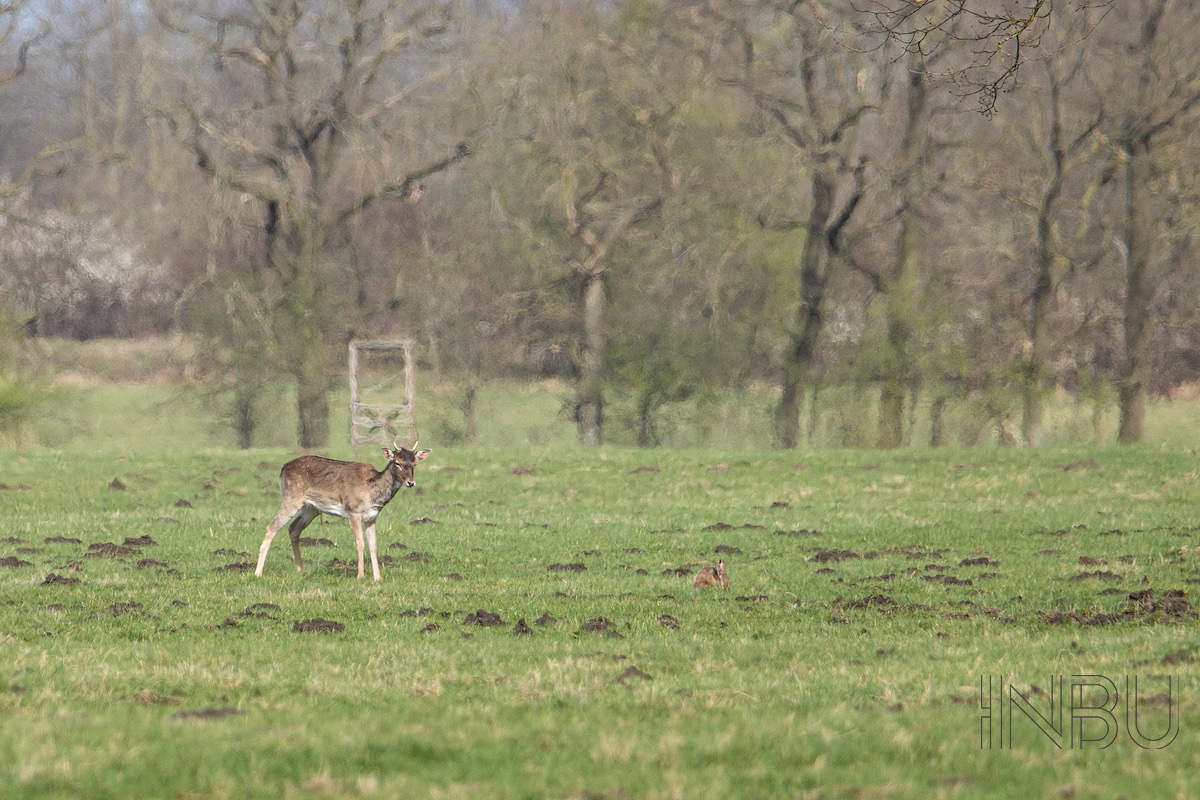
point(384, 486)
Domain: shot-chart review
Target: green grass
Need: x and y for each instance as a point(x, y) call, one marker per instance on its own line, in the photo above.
point(844, 661)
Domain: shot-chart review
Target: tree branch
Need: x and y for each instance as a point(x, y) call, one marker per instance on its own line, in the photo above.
point(408, 188)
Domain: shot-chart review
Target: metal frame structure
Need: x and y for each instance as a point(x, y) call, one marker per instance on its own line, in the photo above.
point(380, 423)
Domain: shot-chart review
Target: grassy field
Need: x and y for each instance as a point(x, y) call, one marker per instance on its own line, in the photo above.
point(536, 634)
point(112, 415)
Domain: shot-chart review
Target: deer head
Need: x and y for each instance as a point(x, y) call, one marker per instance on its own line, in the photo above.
point(401, 462)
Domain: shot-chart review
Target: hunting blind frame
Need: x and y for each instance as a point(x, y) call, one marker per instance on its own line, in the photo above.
point(372, 420)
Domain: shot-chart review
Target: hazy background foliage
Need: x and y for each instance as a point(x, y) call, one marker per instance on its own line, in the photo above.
point(656, 204)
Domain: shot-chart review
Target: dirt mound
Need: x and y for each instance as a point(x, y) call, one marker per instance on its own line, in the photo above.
point(825, 556)
point(1103, 575)
point(600, 625)
point(667, 621)
point(139, 541)
point(129, 609)
point(1173, 606)
point(260, 611)
point(482, 618)
point(317, 625)
point(877, 601)
point(110, 550)
point(1142, 606)
point(596, 625)
point(632, 673)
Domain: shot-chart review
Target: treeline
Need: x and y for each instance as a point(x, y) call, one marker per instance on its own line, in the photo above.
point(650, 198)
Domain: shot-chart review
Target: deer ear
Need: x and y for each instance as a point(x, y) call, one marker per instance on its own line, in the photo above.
point(388, 454)
point(421, 455)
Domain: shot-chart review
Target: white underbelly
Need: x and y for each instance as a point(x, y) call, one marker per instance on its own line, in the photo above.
point(339, 510)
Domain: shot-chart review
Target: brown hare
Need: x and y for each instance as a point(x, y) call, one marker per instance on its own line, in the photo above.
point(712, 576)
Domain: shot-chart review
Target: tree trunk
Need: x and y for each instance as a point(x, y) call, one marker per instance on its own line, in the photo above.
point(645, 432)
point(1131, 383)
point(1033, 389)
point(903, 288)
point(467, 406)
point(898, 365)
point(787, 413)
point(891, 414)
point(937, 422)
point(305, 342)
point(312, 394)
point(802, 340)
point(245, 413)
point(1033, 410)
point(590, 397)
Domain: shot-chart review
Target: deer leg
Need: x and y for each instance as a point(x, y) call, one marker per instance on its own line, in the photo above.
point(286, 511)
point(371, 544)
point(306, 515)
point(357, 527)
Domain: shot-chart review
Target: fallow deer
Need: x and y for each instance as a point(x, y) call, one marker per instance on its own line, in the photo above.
point(312, 485)
point(712, 576)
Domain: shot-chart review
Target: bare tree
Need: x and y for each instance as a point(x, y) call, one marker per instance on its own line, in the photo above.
point(597, 232)
point(292, 111)
point(1151, 104)
point(901, 285)
point(12, 15)
point(1065, 137)
point(16, 42)
point(813, 93)
point(990, 42)
point(598, 129)
point(19, 395)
